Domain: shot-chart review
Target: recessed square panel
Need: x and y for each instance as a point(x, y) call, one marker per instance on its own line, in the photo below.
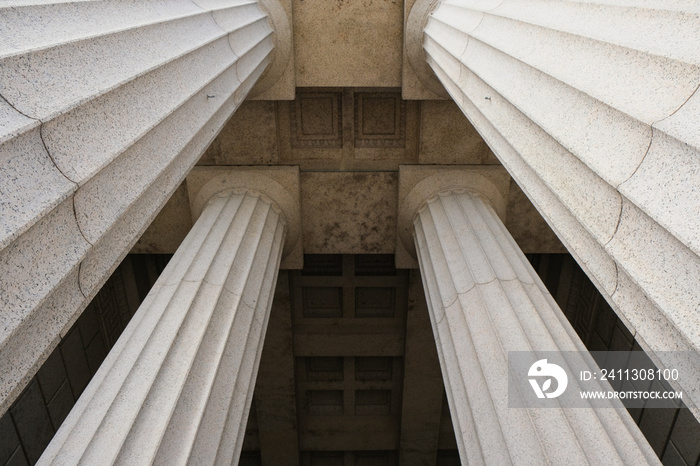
point(373, 402)
point(325, 402)
point(374, 265)
point(375, 302)
point(323, 264)
point(322, 302)
point(380, 120)
point(379, 116)
point(250, 458)
point(375, 458)
point(316, 116)
point(373, 368)
point(328, 369)
point(324, 458)
point(316, 120)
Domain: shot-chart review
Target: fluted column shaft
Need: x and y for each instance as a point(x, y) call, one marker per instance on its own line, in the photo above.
point(485, 300)
point(593, 108)
point(104, 108)
point(178, 384)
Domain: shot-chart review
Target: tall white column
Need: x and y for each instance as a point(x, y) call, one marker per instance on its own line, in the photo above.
point(178, 385)
point(592, 106)
point(104, 108)
point(486, 300)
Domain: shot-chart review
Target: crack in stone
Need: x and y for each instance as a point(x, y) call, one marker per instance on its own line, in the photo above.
point(41, 136)
point(75, 210)
point(619, 220)
point(617, 188)
point(475, 285)
point(651, 141)
point(445, 306)
point(77, 223)
point(18, 110)
point(444, 315)
point(680, 107)
point(53, 160)
point(516, 279)
point(200, 6)
point(495, 7)
point(80, 284)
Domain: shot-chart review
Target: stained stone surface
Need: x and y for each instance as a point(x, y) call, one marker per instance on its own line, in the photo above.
point(349, 212)
point(347, 43)
point(447, 137)
point(249, 138)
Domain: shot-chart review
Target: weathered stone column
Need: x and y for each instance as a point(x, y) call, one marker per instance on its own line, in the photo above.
point(484, 301)
point(104, 108)
point(593, 109)
point(178, 385)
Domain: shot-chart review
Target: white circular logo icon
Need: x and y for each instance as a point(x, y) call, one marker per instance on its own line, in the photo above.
point(543, 370)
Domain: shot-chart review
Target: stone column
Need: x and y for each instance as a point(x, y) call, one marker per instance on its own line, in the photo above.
point(593, 108)
point(484, 301)
point(178, 385)
point(104, 108)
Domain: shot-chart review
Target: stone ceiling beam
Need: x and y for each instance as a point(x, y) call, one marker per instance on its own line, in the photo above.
point(275, 396)
point(421, 403)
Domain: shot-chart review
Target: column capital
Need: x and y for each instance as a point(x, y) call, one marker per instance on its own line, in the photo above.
point(413, 44)
point(277, 83)
point(278, 185)
point(419, 183)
